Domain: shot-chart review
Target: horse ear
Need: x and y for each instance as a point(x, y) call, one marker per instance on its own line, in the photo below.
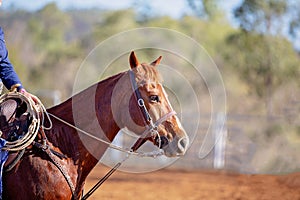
point(157, 61)
point(133, 60)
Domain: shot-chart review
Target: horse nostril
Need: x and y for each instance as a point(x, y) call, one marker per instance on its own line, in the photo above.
point(182, 144)
point(162, 141)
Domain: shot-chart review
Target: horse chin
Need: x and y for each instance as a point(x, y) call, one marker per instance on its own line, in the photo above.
point(177, 147)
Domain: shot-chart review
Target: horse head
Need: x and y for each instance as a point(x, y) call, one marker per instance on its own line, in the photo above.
point(150, 109)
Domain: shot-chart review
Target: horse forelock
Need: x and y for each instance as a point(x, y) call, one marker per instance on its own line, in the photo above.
point(146, 72)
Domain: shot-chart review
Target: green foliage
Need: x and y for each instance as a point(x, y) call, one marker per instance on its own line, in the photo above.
point(49, 30)
point(262, 64)
point(144, 10)
point(206, 9)
point(261, 16)
point(113, 23)
point(255, 58)
point(210, 34)
point(58, 38)
point(259, 60)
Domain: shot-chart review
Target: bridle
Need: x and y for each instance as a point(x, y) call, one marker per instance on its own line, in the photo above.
point(151, 130)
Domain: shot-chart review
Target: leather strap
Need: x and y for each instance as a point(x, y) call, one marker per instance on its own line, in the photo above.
point(46, 148)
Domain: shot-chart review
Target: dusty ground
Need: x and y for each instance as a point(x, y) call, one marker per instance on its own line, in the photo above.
point(194, 185)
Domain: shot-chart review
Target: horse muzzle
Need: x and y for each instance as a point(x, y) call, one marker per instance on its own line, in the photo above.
point(176, 147)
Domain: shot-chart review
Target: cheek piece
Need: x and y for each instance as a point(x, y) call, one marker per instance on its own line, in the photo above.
point(151, 130)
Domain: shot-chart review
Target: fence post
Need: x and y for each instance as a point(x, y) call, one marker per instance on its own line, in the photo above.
point(220, 136)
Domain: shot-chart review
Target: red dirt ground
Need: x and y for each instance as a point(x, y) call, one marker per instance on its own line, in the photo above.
point(194, 185)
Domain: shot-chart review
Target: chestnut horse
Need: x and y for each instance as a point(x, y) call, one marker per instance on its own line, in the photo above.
point(134, 99)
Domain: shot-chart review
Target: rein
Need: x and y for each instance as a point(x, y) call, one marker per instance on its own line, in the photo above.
point(150, 131)
point(151, 127)
point(37, 110)
point(153, 154)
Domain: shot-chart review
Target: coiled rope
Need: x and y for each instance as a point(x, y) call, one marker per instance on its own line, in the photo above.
point(34, 110)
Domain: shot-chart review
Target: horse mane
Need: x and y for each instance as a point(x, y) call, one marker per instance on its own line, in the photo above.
point(147, 72)
point(108, 79)
point(64, 110)
point(144, 72)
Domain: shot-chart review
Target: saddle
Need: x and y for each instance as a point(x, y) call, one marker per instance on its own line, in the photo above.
point(14, 120)
point(14, 124)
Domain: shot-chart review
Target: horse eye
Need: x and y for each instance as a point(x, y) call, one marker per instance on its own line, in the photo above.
point(154, 98)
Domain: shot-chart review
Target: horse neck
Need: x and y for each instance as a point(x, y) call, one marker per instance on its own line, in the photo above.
point(91, 111)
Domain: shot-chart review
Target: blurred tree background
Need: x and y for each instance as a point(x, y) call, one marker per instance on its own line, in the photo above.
point(258, 58)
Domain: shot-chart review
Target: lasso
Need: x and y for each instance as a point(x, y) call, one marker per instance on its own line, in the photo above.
point(34, 110)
